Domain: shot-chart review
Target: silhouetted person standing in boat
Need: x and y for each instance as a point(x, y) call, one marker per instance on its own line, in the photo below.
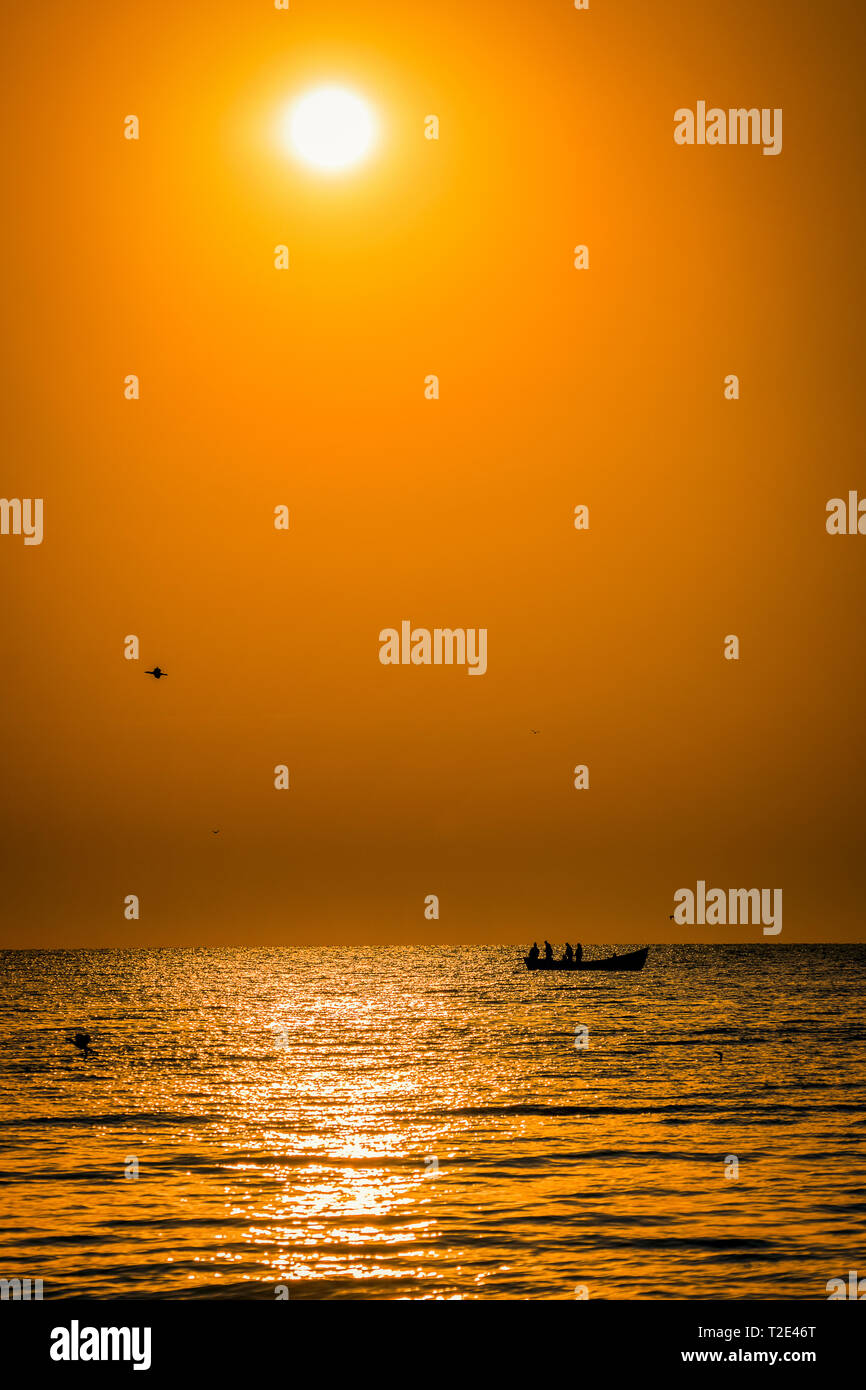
point(569, 954)
point(578, 953)
point(534, 952)
point(548, 951)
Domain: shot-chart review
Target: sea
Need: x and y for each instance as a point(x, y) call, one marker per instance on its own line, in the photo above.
point(432, 1122)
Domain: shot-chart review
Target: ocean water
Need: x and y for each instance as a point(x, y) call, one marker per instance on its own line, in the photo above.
point(390, 1123)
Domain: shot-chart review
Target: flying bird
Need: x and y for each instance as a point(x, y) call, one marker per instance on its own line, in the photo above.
point(82, 1042)
point(156, 672)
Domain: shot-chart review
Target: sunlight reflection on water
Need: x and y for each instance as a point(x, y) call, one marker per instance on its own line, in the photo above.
point(384, 1123)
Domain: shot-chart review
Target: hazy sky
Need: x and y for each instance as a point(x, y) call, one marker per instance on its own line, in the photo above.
point(305, 387)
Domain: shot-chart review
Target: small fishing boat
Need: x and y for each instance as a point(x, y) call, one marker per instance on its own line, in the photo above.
point(634, 960)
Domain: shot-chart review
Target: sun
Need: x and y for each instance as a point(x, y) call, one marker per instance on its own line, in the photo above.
point(330, 128)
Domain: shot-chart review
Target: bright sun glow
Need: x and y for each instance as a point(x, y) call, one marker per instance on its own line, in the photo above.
point(330, 128)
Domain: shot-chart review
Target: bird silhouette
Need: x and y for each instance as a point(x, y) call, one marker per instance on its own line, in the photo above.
point(214, 832)
point(82, 1042)
point(156, 672)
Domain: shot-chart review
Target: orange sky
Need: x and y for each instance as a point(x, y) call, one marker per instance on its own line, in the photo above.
point(306, 387)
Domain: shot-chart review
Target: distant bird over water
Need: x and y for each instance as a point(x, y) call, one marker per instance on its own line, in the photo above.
point(82, 1042)
point(156, 672)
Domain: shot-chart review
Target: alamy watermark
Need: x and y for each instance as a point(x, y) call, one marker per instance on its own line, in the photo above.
point(22, 516)
point(76, 1343)
point(21, 1290)
point(734, 126)
point(731, 907)
point(443, 646)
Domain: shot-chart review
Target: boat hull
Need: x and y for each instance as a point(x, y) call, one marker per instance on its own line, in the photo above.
point(635, 960)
